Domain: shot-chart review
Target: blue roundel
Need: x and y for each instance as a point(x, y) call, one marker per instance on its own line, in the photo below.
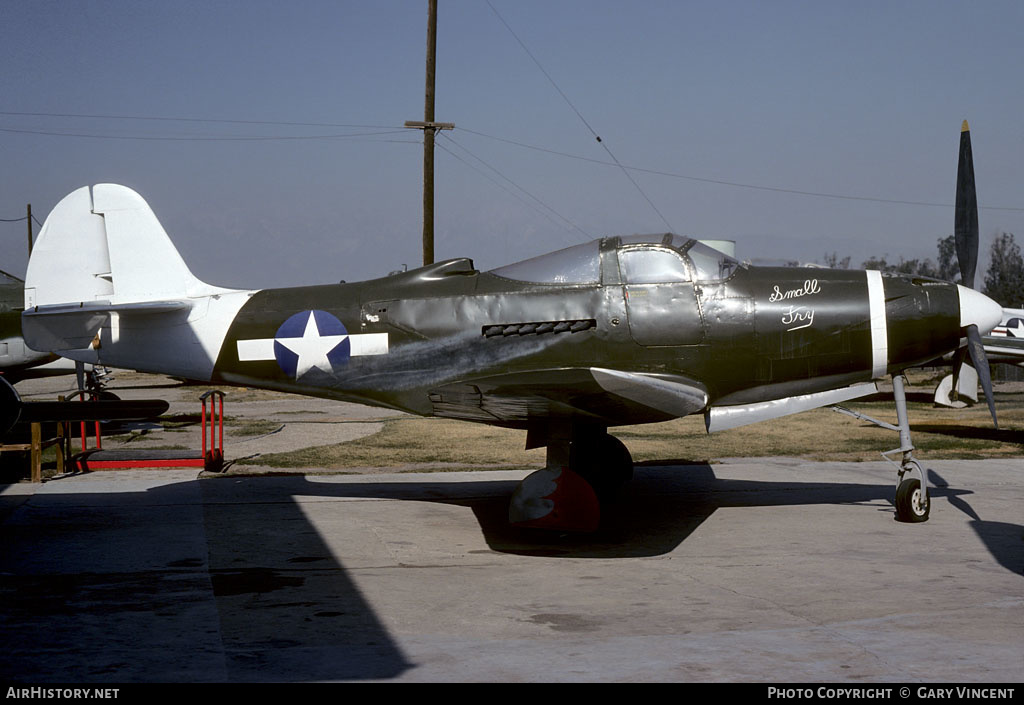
point(311, 340)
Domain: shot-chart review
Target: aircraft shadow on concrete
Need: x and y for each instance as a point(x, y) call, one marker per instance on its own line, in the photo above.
point(157, 586)
point(984, 433)
point(110, 587)
point(1002, 539)
point(665, 503)
point(668, 500)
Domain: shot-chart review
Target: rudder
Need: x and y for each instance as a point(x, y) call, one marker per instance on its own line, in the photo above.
point(104, 243)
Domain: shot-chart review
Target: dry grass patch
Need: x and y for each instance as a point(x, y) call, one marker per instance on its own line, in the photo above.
point(417, 440)
point(822, 434)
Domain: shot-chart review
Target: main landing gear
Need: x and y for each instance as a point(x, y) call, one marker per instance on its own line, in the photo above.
point(585, 467)
point(912, 501)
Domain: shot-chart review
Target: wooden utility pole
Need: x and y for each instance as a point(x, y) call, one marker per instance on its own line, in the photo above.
point(428, 138)
point(429, 128)
point(28, 208)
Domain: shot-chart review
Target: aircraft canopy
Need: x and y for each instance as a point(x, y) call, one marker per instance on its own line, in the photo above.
point(643, 258)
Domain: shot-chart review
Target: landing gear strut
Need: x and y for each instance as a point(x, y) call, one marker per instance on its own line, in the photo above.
point(912, 501)
point(585, 467)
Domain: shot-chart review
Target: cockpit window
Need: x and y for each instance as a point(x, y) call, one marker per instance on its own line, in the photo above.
point(711, 265)
point(652, 266)
point(580, 264)
point(708, 263)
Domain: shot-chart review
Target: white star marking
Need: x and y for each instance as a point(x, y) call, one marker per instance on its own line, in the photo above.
point(312, 348)
point(257, 349)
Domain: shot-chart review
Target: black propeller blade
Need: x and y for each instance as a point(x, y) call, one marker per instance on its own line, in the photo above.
point(980, 362)
point(965, 230)
point(958, 360)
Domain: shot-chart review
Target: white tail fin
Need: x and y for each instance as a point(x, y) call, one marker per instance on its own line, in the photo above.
point(105, 284)
point(105, 244)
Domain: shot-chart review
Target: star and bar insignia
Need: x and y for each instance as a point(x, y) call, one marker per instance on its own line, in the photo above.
point(312, 340)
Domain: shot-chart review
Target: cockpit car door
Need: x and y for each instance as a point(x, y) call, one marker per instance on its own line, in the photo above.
point(661, 300)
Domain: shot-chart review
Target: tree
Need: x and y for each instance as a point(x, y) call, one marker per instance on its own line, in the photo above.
point(878, 263)
point(949, 270)
point(920, 268)
point(915, 267)
point(1004, 280)
point(832, 261)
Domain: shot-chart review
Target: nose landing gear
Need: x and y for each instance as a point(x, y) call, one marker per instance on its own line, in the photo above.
point(912, 501)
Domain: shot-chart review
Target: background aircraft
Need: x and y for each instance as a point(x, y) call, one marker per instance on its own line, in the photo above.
point(18, 361)
point(1006, 342)
point(15, 358)
point(622, 330)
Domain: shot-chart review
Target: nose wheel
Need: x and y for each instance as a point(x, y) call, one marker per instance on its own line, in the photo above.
point(912, 504)
point(912, 501)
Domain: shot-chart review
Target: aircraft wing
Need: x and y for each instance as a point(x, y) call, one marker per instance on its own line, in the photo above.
point(613, 397)
point(605, 396)
point(720, 418)
point(1004, 349)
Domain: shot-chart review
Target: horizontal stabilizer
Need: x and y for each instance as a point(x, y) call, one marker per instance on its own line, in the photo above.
point(66, 327)
point(720, 418)
point(138, 308)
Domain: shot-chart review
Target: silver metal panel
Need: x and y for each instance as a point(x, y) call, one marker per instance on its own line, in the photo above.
point(724, 417)
point(664, 314)
point(668, 396)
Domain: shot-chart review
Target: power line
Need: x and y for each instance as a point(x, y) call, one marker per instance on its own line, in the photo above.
point(535, 198)
point(190, 119)
point(517, 186)
point(504, 188)
point(390, 130)
point(580, 116)
point(21, 219)
point(160, 138)
point(721, 182)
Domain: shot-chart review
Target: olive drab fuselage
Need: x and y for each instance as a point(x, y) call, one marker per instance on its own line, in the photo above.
point(499, 348)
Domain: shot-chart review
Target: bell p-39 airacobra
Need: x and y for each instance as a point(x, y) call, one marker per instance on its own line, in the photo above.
point(622, 330)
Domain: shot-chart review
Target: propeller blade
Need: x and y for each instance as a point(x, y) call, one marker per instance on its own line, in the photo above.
point(958, 361)
point(965, 230)
point(980, 361)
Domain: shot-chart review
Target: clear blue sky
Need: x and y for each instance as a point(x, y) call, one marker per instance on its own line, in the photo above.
point(851, 98)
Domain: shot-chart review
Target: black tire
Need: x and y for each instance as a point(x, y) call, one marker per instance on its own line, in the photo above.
point(619, 461)
point(909, 507)
point(603, 461)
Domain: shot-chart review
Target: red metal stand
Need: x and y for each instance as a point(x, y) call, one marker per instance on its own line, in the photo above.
point(211, 457)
